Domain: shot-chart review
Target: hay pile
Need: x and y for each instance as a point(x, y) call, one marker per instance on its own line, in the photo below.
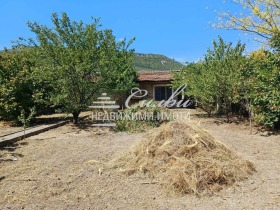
point(185, 159)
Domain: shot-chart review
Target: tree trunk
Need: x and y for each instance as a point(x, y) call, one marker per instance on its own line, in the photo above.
point(227, 115)
point(76, 114)
point(250, 112)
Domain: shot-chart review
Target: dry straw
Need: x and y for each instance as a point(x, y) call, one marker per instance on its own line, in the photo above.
point(185, 159)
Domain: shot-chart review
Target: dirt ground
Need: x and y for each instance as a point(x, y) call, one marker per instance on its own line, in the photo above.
point(65, 168)
point(9, 127)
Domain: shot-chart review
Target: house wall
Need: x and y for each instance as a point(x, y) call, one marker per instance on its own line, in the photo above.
point(149, 86)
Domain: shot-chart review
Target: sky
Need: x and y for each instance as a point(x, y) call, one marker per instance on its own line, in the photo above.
point(179, 29)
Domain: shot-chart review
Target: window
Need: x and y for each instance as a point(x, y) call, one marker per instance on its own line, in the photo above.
point(162, 92)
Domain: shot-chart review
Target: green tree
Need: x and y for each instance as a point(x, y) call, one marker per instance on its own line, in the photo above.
point(225, 79)
point(199, 85)
point(118, 75)
point(260, 17)
point(214, 80)
point(275, 43)
point(223, 64)
point(265, 88)
point(20, 88)
point(79, 60)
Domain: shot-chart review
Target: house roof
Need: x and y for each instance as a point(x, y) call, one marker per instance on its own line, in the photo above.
point(159, 76)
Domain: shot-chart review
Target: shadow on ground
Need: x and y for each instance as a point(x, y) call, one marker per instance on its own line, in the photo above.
point(8, 153)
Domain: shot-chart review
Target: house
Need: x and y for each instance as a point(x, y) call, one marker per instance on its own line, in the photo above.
point(157, 83)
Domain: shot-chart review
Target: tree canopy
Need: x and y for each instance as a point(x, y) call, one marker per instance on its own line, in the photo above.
point(260, 17)
point(228, 82)
point(213, 81)
point(80, 60)
point(64, 66)
point(20, 87)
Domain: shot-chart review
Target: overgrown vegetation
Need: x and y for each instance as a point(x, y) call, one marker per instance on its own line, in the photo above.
point(265, 88)
point(239, 83)
point(21, 86)
point(227, 82)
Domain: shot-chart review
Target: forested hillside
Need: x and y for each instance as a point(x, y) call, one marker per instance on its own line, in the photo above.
point(153, 62)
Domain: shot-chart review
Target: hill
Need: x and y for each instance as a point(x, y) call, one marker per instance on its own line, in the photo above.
point(155, 62)
point(152, 62)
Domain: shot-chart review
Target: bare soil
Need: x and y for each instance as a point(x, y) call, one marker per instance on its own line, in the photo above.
point(7, 128)
point(10, 127)
point(65, 168)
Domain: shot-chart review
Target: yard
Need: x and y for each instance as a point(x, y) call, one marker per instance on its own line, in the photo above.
point(64, 169)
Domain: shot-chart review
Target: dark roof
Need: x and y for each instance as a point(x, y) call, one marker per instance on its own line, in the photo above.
point(158, 76)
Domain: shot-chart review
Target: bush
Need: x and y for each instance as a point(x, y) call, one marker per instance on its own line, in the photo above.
point(20, 86)
point(266, 90)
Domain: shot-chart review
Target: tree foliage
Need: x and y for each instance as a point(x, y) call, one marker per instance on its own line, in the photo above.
point(226, 82)
point(117, 72)
point(261, 17)
point(20, 88)
point(80, 60)
point(265, 88)
point(213, 81)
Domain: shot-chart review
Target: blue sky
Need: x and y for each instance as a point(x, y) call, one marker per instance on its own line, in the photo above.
point(179, 29)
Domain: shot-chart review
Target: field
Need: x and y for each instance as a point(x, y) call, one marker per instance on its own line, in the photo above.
point(65, 168)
